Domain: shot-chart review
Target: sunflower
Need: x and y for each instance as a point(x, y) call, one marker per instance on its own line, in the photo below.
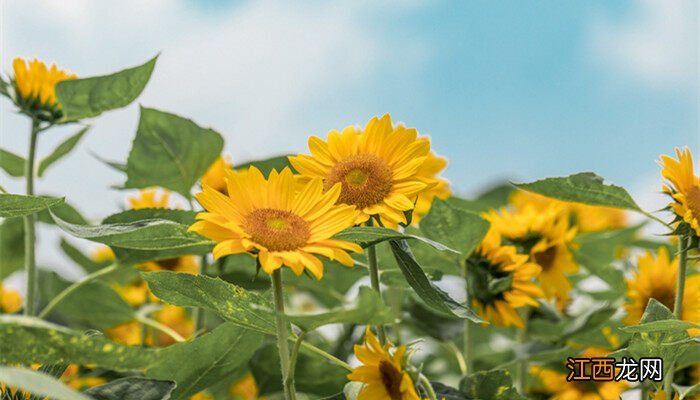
point(10, 300)
point(585, 217)
point(215, 175)
point(378, 169)
point(35, 85)
point(547, 237)
point(556, 387)
point(656, 278)
point(245, 389)
point(202, 396)
point(150, 198)
point(430, 169)
point(684, 187)
point(501, 281)
point(382, 372)
point(282, 220)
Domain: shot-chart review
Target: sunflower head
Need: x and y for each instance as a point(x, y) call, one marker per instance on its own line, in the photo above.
point(430, 170)
point(555, 386)
point(215, 176)
point(282, 220)
point(10, 300)
point(383, 371)
point(35, 87)
point(245, 388)
point(378, 169)
point(150, 198)
point(501, 281)
point(683, 187)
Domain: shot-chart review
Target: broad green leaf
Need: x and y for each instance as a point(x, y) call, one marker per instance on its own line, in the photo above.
point(39, 384)
point(232, 303)
point(64, 211)
point(668, 325)
point(17, 205)
point(433, 296)
point(62, 149)
point(28, 340)
point(134, 256)
point(369, 310)
point(133, 388)
point(11, 246)
point(598, 250)
point(90, 97)
point(589, 321)
point(209, 359)
point(88, 264)
point(12, 163)
point(367, 236)
point(314, 375)
point(495, 384)
point(444, 392)
point(434, 324)
point(584, 187)
point(461, 230)
point(686, 392)
point(171, 152)
point(147, 235)
point(266, 166)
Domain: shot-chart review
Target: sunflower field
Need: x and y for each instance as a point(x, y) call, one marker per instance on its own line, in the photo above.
point(352, 271)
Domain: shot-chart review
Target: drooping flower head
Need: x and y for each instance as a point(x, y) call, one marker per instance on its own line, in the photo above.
point(215, 176)
point(378, 168)
point(430, 170)
point(282, 220)
point(383, 371)
point(655, 278)
point(501, 281)
point(546, 236)
point(684, 188)
point(35, 85)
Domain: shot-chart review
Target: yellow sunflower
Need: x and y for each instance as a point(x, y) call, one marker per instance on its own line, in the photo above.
point(378, 168)
point(245, 389)
point(556, 387)
point(10, 300)
point(585, 217)
point(215, 175)
point(547, 237)
point(501, 281)
point(150, 198)
point(35, 85)
point(656, 278)
point(382, 372)
point(430, 169)
point(684, 187)
point(283, 220)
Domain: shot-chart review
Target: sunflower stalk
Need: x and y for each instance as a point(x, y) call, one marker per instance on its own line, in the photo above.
point(282, 334)
point(289, 381)
point(683, 245)
point(30, 222)
point(467, 356)
point(427, 387)
point(521, 366)
point(374, 281)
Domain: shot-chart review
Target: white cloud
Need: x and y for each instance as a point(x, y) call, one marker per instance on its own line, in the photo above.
point(657, 43)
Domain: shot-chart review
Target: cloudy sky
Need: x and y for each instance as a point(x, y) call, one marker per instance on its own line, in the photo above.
point(507, 90)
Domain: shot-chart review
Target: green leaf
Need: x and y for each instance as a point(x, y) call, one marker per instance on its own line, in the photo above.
point(367, 236)
point(64, 211)
point(444, 392)
point(171, 152)
point(314, 375)
point(209, 359)
point(687, 392)
point(62, 149)
point(436, 325)
point(668, 325)
point(495, 384)
point(589, 321)
point(369, 310)
point(133, 388)
point(39, 384)
point(232, 303)
point(584, 187)
point(266, 166)
point(12, 163)
point(149, 234)
point(433, 296)
point(11, 246)
point(90, 97)
point(183, 217)
point(17, 205)
point(88, 264)
point(459, 229)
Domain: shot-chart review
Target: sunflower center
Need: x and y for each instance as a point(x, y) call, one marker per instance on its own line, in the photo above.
point(277, 230)
point(365, 179)
point(168, 264)
point(545, 259)
point(665, 296)
point(391, 379)
point(692, 197)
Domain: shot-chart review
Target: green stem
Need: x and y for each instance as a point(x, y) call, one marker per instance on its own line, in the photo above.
point(521, 366)
point(75, 286)
point(468, 325)
point(161, 327)
point(395, 300)
point(289, 382)
point(678, 303)
point(374, 281)
point(198, 313)
point(327, 356)
point(282, 333)
point(425, 384)
point(461, 361)
point(29, 224)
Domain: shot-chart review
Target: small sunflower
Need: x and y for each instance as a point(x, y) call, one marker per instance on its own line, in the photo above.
point(556, 387)
point(150, 198)
point(382, 372)
point(10, 300)
point(656, 278)
point(378, 168)
point(684, 187)
point(245, 389)
point(501, 281)
point(35, 85)
point(430, 169)
point(215, 176)
point(282, 220)
point(547, 237)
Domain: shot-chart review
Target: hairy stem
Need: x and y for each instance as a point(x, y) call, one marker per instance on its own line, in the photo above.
point(29, 224)
point(282, 333)
point(374, 281)
point(678, 303)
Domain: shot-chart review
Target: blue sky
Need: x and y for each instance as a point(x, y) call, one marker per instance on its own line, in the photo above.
point(507, 90)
